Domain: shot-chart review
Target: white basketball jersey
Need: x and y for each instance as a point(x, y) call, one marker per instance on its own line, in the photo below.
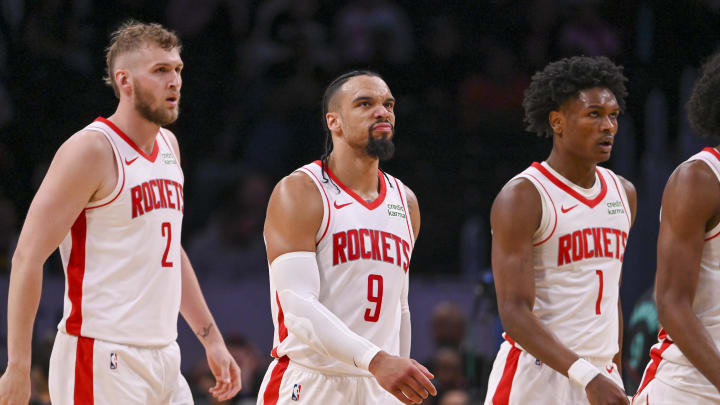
point(577, 255)
point(363, 253)
point(122, 255)
point(706, 304)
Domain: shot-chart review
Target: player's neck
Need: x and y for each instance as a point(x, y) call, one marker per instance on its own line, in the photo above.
point(137, 128)
point(581, 173)
point(359, 173)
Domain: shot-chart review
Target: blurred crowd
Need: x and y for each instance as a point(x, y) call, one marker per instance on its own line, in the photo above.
point(254, 74)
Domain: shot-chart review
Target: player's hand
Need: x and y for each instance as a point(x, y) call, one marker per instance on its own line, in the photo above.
point(603, 391)
point(14, 387)
point(225, 370)
point(406, 379)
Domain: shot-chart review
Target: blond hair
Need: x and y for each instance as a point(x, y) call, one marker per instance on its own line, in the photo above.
point(131, 36)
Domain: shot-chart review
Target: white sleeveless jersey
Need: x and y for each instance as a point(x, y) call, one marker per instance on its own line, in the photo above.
point(577, 255)
point(363, 252)
point(122, 255)
point(706, 304)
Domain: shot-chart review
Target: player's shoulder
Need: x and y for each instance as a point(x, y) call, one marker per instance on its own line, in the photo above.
point(518, 197)
point(517, 190)
point(88, 144)
point(692, 175)
point(296, 193)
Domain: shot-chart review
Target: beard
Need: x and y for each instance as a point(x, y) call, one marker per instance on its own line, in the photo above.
point(382, 147)
point(143, 105)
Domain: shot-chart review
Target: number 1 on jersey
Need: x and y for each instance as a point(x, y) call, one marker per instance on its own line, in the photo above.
point(374, 295)
point(600, 288)
point(166, 229)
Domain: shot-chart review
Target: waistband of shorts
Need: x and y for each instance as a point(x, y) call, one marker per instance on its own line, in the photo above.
point(155, 347)
point(330, 372)
point(597, 361)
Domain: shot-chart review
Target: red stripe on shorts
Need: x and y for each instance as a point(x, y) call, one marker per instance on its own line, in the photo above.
point(656, 357)
point(502, 392)
point(272, 391)
point(83, 394)
point(75, 275)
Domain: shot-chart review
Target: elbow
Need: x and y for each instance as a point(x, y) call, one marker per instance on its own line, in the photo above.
point(20, 260)
point(672, 309)
point(512, 316)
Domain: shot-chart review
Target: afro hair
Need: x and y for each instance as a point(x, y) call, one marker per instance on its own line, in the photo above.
point(703, 107)
point(564, 79)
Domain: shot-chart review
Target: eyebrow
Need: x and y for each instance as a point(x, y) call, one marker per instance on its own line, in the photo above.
point(158, 64)
point(599, 106)
point(367, 98)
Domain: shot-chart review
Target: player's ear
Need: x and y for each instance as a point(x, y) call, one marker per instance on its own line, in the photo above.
point(557, 122)
point(122, 80)
point(334, 122)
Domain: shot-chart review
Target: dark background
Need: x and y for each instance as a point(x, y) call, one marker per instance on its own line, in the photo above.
point(250, 114)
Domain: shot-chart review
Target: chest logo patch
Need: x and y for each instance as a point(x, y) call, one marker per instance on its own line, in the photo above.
point(168, 158)
point(615, 207)
point(395, 210)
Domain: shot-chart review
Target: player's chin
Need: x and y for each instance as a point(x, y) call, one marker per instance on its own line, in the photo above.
point(602, 155)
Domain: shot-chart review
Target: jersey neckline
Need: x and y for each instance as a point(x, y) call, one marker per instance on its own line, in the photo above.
point(560, 184)
point(369, 205)
point(151, 157)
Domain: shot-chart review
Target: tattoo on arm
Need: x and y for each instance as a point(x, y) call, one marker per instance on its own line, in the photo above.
point(205, 331)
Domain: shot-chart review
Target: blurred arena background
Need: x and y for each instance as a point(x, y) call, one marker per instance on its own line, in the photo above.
point(254, 75)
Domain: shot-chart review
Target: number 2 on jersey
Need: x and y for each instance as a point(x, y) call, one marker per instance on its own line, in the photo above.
point(600, 288)
point(166, 230)
point(374, 295)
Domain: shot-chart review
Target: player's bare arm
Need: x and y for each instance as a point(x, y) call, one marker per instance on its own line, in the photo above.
point(632, 202)
point(196, 313)
point(83, 170)
point(690, 207)
point(514, 217)
point(294, 215)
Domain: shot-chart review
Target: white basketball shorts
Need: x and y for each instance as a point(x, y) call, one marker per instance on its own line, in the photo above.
point(288, 383)
point(518, 378)
point(90, 371)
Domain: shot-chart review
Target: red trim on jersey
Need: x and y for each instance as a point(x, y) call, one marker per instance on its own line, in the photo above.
point(407, 216)
point(369, 205)
point(75, 275)
point(656, 358)
point(272, 390)
point(282, 329)
point(327, 200)
point(83, 393)
point(627, 214)
point(151, 157)
point(502, 392)
point(713, 151)
point(123, 180)
point(590, 203)
point(554, 209)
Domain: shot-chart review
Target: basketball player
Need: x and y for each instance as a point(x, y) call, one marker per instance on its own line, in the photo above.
point(684, 365)
point(339, 235)
point(559, 234)
point(113, 201)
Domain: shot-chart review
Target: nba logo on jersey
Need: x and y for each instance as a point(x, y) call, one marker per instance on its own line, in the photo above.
point(113, 361)
point(296, 392)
